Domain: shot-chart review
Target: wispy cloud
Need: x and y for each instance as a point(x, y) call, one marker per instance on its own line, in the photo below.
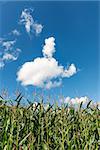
point(15, 32)
point(9, 51)
point(8, 45)
point(1, 64)
point(38, 28)
point(45, 72)
point(8, 48)
point(27, 20)
point(8, 56)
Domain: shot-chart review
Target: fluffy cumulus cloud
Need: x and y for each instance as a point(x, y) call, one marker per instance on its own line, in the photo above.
point(27, 20)
point(76, 100)
point(9, 52)
point(45, 72)
point(49, 47)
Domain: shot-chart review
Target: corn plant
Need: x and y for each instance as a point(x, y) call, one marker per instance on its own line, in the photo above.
point(34, 127)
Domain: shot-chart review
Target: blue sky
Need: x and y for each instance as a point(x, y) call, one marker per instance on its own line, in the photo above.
point(75, 27)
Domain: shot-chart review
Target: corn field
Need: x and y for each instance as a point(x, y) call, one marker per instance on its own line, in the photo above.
point(33, 127)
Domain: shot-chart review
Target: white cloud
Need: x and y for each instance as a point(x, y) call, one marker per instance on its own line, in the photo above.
point(7, 45)
point(30, 25)
point(76, 100)
point(51, 84)
point(39, 72)
point(70, 71)
point(49, 47)
point(16, 32)
point(44, 72)
point(38, 28)
point(8, 56)
point(8, 52)
point(95, 104)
